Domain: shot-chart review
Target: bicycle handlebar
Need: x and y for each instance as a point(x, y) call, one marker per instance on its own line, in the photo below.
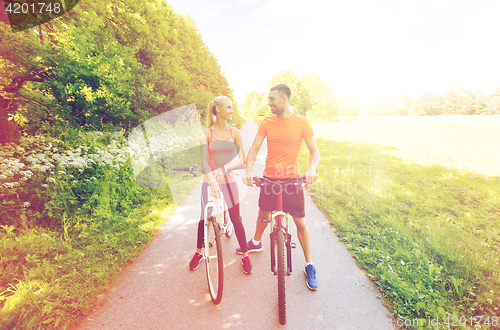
point(260, 181)
point(195, 167)
point(187, 169)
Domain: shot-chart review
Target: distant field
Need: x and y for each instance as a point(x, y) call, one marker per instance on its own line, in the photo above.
point(462, 142)
point(406, 196)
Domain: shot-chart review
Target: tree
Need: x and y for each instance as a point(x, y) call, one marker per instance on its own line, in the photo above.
point(292, 81)
point(256, 105)
point(19, 65)
point(461, 101)
point(430, 104)
point(350, 107)
point(320, 101)
point(492, 103)
point(383, 108)
point(111, 62)
point(406, 105)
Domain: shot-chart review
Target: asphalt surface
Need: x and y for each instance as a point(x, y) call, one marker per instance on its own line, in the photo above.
point(158, 291)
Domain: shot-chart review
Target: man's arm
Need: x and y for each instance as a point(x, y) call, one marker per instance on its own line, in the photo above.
point(311, 174)
point(251, 157)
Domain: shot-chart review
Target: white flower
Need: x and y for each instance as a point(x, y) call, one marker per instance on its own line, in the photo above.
point(10, 185)
point(26, 204)
point(51, 180)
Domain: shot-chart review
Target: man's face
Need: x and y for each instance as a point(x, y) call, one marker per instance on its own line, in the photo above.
point(276, 102)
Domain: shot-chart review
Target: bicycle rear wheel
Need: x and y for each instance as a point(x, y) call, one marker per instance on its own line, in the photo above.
point(213, 259)
point(282, 272)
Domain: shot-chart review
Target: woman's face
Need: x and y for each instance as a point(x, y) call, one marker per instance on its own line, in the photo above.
point(225, 109)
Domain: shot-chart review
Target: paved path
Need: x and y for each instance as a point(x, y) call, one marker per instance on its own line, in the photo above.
point(158, 291)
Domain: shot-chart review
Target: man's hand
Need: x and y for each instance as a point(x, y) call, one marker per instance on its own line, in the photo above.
point(247, 178)
point(311, 176)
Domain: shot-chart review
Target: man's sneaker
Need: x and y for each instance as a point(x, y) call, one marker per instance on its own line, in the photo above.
point(247, 265)
point(251, 247)
point(312, 280)
point(195, 262)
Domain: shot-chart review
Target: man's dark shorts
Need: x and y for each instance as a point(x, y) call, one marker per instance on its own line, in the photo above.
point(292, 196)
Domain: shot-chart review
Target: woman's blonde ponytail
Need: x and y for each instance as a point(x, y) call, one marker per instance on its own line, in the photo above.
point(211, 114)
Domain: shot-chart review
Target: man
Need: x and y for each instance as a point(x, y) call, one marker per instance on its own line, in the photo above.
point(285, 131)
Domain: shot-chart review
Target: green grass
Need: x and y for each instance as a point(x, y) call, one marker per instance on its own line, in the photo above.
point(62, 242)
point(427, 235)
point(52, 279)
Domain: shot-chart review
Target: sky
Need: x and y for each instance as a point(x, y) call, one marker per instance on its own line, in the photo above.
point(364, 49)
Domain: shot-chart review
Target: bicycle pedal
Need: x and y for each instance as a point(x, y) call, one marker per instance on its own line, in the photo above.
point(293, 245)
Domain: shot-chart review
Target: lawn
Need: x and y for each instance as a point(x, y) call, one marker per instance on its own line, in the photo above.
point(417, 202)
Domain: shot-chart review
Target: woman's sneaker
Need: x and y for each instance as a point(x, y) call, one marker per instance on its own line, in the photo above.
point(251, 247)
point(195, 262)
point(247, 265)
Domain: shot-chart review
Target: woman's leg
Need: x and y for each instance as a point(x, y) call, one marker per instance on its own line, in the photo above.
point(234, 213)
point(201, 223)
point(195, 261)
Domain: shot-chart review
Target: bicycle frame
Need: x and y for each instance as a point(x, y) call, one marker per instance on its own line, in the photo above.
point(277, 223)
point(216, 207)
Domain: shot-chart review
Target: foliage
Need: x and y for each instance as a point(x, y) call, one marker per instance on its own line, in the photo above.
point(321, 100)
point(70, 219)
point(113, 62)
point(426, 234)
point(289, 78)
point(256, 105)
point(50, 279)
point(43, 182)
point(311, 97)
point(348, 107)
point(457, 101)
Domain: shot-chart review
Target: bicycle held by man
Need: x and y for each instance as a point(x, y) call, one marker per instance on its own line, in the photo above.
point(217, 223)
point(281, 238)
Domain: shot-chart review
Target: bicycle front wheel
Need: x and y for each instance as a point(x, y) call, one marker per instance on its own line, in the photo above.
point(213, 259)
point(282, 272)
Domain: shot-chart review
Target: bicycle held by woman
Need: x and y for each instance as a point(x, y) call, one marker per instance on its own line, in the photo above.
point(281, 238)
point(216, 224)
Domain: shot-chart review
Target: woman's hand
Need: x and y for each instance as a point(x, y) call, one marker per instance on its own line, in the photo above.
point(215, 190)
point(220, 175)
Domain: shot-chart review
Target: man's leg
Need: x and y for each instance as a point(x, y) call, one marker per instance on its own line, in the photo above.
point(260, 226)
point(310, 270)
point(254, 245)
point(303, 234)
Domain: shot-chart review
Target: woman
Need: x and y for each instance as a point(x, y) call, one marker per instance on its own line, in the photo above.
point(221, 150)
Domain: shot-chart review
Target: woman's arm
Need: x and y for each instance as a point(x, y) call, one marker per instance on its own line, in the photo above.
point(205, 165)
point(241, 152)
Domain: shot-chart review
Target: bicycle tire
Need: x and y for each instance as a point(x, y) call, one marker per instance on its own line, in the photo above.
point(282, 273)
point(213, 259)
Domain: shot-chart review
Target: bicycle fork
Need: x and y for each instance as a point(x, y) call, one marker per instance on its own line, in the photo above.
point(289, 245)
